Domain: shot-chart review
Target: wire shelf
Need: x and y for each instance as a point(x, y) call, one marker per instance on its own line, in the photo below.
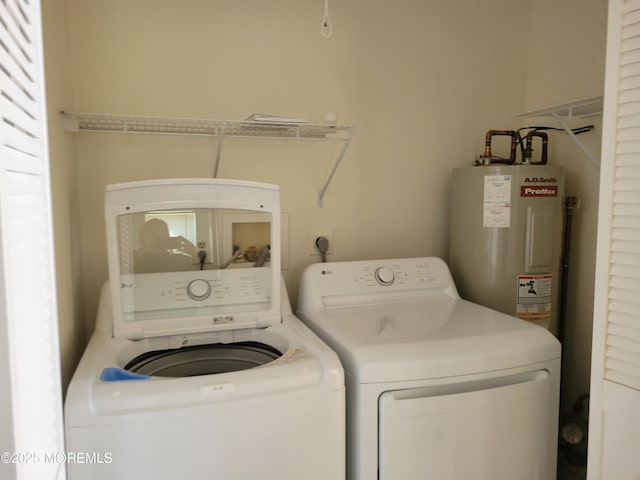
point(110, 123)
point(98, 122)
point(585, 107)
point(564, 112)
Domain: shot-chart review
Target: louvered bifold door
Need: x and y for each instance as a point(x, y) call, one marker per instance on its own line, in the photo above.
point(623, 332)
point(31, 432)
point(615, 399)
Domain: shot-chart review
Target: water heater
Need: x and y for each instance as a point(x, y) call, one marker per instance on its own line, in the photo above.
point(506, 238)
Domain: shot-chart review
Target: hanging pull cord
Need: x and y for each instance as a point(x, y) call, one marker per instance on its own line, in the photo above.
point(326, 28)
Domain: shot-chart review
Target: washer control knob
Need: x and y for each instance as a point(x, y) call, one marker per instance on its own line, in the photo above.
point(198, 289)
point(384, 276)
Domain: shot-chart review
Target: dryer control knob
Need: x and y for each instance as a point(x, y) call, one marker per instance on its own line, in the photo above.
point(198, 289)
point(384, 276)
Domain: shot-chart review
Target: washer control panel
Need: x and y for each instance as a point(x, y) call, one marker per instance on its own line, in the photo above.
point(215, 288)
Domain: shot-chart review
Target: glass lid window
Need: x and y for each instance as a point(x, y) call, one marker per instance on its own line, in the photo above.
point(194, 262)
point(179, 223)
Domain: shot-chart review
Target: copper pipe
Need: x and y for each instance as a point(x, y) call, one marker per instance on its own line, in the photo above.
point(514, 145)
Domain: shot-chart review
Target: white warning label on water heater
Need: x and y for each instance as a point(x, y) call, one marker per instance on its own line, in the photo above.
point(534, 297)
point(496, 215)
point(497, 201)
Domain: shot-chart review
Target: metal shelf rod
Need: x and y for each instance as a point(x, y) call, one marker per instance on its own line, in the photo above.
point(336, 164)
point(577, 141)
point(220, 133)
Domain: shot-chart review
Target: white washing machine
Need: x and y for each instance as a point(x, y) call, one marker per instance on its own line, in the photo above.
point(197, 367)
point(437, 387)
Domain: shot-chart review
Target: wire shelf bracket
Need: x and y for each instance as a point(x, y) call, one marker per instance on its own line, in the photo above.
point(564, 112)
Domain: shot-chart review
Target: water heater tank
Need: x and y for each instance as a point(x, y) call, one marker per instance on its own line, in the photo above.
point(506, 238)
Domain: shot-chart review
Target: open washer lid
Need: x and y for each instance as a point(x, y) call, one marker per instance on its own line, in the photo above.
point(192, 255)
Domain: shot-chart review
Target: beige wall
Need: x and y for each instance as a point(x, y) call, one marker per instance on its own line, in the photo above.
point(63, 187)
point(424, 79)
point(566, 62)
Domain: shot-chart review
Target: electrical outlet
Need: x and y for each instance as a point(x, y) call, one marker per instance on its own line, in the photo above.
point(327, 233)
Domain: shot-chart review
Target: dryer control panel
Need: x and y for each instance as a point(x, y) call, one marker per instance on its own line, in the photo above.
point(329, 285)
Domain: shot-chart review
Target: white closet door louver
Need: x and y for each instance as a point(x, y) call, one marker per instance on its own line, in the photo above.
point(622, 364)
point(614, 423)
point(32, 440)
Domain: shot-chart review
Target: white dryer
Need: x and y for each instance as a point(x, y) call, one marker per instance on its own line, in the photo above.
point(437, 387)
point(198, 368)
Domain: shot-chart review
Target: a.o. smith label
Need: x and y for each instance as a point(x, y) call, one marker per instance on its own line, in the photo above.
point(539, 191)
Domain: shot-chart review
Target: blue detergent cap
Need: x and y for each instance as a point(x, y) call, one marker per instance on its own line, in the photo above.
point(113, 374)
